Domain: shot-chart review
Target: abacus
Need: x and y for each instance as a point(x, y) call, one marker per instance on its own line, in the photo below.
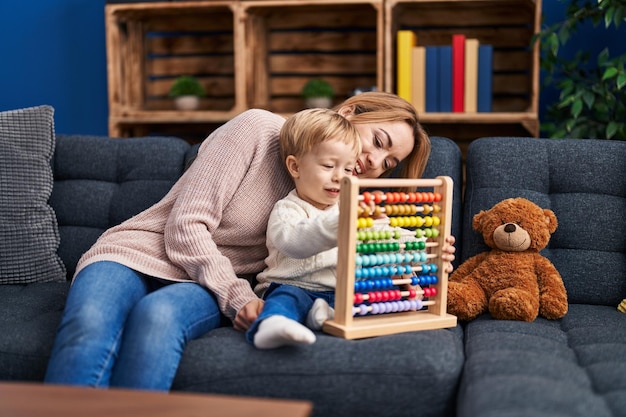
point(380, 256)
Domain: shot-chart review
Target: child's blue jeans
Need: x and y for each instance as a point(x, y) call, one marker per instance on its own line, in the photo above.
point(289, 301)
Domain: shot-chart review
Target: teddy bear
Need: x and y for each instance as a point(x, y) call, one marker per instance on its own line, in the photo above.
point(512, 280)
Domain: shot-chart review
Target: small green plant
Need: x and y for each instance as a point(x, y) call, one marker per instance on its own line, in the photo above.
point(592, 101)
point(317, 87)
point(186, 85)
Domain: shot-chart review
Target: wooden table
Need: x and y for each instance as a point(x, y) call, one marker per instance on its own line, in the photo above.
point(39, 400)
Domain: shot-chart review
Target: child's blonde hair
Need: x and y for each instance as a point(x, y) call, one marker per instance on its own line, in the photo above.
point(308, 128)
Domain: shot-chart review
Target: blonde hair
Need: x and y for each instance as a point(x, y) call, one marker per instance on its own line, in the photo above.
point(308, 128)
point(377, 107)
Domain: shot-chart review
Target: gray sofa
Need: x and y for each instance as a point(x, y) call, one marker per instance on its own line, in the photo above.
point(571, 367)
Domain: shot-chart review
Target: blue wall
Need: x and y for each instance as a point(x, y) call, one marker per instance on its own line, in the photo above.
point(53, 52)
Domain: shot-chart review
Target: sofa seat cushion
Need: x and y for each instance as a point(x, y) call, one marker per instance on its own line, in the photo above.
point(405, 374)
point(570, 367)
point(29, 316)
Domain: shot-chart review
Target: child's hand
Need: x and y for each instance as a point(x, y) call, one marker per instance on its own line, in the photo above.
point(448, 251)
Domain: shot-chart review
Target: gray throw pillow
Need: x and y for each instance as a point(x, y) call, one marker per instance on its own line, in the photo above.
point(29, 235)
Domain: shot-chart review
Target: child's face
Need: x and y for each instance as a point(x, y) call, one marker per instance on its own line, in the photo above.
point(318, 173)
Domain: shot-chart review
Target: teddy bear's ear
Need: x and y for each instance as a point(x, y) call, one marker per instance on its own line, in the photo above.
point(550, 220)
point(478, 218)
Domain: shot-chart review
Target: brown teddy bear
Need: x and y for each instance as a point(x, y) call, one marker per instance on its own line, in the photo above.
point(512, 280)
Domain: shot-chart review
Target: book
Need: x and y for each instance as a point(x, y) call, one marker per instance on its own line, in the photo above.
point(470, 96)
point(485, 78)
point(432, 78)
point(458, 72)
point(445, 78)
point(405, 41)
point(418, 83)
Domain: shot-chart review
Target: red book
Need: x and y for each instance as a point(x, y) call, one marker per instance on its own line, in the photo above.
point(458, 72)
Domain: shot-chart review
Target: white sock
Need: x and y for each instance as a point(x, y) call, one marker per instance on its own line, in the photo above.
point(318, 314)
point(277, 331)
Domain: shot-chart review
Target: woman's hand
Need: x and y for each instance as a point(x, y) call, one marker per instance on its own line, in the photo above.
point(248, 314)
point(448, 250)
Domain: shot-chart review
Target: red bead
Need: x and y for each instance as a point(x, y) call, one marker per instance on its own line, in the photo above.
point(378, 197)
point(411, 197)
point(358, 298)
point(438, 197)
point(367, 197)
point(389, 198)
point(412, 293)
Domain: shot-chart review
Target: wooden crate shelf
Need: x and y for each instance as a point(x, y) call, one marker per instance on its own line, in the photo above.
point(290, 42)
point(150, 44)
point(259, 53)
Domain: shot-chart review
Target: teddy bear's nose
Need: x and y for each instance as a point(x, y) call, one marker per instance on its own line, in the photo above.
point(509, 227)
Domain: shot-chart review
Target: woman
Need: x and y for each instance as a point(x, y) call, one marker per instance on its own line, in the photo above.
point(180, 268)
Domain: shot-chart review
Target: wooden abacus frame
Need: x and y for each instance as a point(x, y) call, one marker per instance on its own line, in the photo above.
point(433, 316)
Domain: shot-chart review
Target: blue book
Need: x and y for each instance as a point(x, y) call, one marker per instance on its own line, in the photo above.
point(485, 78)
point(432, 79)
point(445, 78)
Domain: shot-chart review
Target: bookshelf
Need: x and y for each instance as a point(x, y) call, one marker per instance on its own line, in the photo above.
point(259, 53)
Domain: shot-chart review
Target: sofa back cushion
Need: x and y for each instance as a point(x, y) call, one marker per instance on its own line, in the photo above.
point(100, 182)
point(446, 159)
point(583, 182)
point(29, 237)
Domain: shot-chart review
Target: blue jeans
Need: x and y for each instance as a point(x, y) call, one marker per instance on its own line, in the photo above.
point(121, 328)
point(289, 301)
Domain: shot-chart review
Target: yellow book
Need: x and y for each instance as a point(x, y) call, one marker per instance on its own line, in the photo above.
point(471, 75)
point(418, 83)
point(405, 42)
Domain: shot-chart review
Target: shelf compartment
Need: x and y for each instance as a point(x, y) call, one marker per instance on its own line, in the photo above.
point(507, 25)
point(290, 42)
point(150, 44)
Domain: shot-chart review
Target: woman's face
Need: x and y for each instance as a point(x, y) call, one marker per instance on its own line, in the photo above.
point(384, 146)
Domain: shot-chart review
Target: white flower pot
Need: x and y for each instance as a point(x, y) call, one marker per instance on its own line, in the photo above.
point(187, 102)
point(319, 102)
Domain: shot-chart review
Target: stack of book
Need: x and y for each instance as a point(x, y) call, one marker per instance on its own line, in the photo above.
point(449, 78)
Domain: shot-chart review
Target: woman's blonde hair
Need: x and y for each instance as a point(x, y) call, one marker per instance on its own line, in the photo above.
point(308, 128)
point(377, 107)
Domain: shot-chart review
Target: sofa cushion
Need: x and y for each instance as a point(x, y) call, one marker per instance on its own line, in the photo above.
point(574, 366)
point(391, 375)
point(100, 182)
point(29, 317)
point(570, 367)
point(397, 375)
point(29, 237)
point(583, 182)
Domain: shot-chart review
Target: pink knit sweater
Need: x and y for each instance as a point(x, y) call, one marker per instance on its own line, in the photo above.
point(211, 226)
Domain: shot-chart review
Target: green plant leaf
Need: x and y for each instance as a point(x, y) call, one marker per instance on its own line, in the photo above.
point(577, 107)
point(611, 129)
point(608, 17)
point(610, 72)
point(621, 81)
point(589, 98)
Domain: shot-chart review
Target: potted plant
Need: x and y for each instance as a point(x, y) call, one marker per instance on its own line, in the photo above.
point(318, 93)
point(186, 91)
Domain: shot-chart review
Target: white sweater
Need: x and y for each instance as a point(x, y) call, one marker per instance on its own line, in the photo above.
point(302, 245)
